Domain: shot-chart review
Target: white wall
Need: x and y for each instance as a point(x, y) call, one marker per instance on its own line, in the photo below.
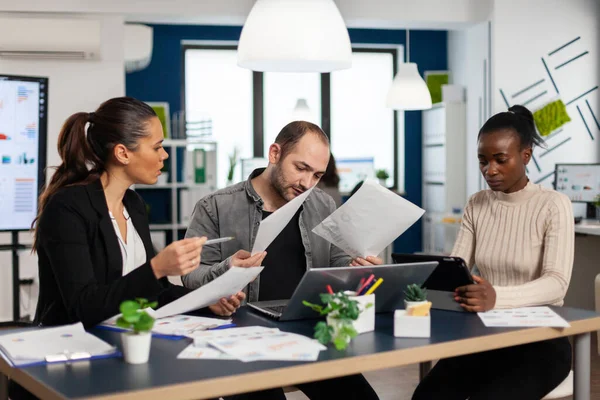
point(469, 63)
point(521, 37)
point(73, 86)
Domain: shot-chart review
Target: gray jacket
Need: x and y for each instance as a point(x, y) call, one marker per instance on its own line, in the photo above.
point(237, 211)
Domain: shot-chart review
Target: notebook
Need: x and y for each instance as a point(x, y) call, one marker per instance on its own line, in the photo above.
point(58, 344)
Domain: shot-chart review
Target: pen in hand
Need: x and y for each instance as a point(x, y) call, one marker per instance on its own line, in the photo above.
point(219, 240)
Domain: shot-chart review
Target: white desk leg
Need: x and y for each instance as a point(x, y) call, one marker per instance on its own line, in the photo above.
point(581, 386)
point(424, 369)
point(3, 387)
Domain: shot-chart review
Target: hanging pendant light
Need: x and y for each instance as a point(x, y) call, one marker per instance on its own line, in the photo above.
point(302, 112)
point(409, 91)
point(294, 36)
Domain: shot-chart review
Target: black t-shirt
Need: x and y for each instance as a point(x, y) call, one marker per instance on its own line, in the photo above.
point(285, 263)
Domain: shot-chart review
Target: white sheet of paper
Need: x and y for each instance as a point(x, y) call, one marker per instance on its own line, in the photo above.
point(523, 317)
point(271, 226)
point(231, 282)
point(369, 221)
point(282, 346)
point(176, 325)
point(193, 352)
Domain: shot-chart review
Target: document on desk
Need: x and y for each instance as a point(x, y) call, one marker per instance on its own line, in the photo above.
point(522, 318)
point(280, 346)
point(201, 350)
point(174, 326)
point(231, 282)
point(62, 343)
point(272, 226)
point(369, 221)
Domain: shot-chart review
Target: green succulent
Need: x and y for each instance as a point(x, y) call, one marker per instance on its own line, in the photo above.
point(134, 317)
point(340, 307)
point(415, 292)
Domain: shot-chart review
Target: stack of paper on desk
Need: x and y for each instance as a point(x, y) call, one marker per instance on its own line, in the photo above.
point(176, 326)
point(60, 344)
point(252, 344)
point(369, 221)
point(523, 317)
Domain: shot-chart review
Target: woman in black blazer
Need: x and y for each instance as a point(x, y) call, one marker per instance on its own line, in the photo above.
point(87, 209)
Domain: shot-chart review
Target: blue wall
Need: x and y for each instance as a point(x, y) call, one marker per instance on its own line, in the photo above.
point(161, 81)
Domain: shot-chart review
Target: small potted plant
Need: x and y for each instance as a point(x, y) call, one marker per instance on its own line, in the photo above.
point(233, 160)
point(414, 295)
point(382, 175)
point(341, 313)
point(597, 204)
point(136, 341)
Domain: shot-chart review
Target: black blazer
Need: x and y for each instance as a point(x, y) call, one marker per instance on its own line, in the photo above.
point(80, 263)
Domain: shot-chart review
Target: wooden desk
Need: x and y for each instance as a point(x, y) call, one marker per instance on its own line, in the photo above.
point(166, 377)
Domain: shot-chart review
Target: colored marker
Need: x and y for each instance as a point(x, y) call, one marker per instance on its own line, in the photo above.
point(374, 287)
point(369, 279)
point(329, 289)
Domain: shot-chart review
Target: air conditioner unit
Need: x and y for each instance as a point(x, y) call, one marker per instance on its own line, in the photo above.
point(46, 38)
point(137, 46)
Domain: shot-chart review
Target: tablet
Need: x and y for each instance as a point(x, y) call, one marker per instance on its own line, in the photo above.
point(451, 272)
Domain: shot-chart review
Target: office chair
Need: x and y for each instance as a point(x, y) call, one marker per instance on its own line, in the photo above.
point(563, 390)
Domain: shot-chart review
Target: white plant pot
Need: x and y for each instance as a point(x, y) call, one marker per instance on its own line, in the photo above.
point(408, 304)
point(136, 347)
point(382, 182)
point(335, 324)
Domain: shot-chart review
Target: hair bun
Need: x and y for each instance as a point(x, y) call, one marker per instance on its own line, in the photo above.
point(521, 111)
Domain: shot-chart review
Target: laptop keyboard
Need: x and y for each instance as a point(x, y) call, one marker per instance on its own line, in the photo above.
point(276, 309)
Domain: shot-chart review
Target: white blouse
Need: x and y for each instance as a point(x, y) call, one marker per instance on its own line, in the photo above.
point(132, 252)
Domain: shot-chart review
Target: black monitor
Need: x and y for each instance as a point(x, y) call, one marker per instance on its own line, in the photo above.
point(23, 133)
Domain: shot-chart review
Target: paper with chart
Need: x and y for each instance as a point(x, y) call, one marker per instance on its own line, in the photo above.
point(228, 284)
point(523, 317)
point(176, 325)
point(31, 346)
point(272, 226)
point(201, 350)
point(369, 221)
point(269, 345)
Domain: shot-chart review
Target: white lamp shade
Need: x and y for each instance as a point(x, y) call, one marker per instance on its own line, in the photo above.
point(294, 36)
point(408, 91)
point(302, 112)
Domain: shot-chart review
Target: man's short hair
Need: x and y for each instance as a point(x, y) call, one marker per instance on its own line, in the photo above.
point(291, 134)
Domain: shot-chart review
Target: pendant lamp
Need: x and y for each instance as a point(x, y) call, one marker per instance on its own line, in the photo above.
point(302, 112)
point(294, 36)
point(409, 91)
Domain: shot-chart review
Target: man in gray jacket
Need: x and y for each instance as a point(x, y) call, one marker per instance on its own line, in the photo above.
point(297, 160)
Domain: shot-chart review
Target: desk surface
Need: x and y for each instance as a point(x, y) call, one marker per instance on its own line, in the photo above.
point(167, 377)
point(588, 227)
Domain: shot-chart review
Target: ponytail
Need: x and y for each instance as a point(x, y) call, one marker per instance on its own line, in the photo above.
point(77, 158)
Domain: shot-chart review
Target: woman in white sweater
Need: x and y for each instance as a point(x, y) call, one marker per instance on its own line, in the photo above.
point(520, 235)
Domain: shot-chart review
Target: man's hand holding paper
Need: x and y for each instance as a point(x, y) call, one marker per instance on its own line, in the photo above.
point(368, 222)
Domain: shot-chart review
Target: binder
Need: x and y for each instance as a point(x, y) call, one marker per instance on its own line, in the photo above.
point(39, 346)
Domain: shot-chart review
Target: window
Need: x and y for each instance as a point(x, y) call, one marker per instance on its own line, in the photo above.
point(249, 109)
point(216, 88)
point(359, 113)
point(281, 94)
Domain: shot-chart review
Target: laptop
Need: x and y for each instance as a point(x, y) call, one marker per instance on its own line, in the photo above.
point(389, 295)
point(451, 273)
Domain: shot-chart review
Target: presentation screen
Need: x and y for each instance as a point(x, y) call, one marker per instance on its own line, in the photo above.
point(580, 182)
point(354, 170)
point(23, 126)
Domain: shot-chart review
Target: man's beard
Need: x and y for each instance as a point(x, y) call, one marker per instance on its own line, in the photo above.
point(278, 182)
